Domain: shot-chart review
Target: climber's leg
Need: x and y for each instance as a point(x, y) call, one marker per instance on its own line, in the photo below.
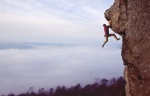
point(114, 36)
point(105, 41)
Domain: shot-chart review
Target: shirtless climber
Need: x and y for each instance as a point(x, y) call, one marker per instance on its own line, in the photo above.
point(106, 30)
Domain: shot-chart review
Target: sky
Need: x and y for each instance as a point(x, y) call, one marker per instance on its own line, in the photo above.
point(52, 20)
point(46, 43)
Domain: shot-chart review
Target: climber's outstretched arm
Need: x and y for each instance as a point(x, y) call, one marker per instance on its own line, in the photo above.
point(109, 23)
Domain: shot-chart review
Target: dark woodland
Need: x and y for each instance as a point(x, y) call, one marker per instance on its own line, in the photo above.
point(101, 87)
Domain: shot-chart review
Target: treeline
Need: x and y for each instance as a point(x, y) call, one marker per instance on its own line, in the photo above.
point(102, 87)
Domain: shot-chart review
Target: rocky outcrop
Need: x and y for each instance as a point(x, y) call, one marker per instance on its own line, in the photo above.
point(118, 14)
point(131, 19)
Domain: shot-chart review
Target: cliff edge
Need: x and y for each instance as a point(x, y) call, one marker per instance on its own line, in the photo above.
point(131, 19)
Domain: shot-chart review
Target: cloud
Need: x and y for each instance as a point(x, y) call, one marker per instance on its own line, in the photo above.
point(51, 66)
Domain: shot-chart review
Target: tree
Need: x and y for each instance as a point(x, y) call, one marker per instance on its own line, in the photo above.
point(41, 92)
point(103, 87)
point(51, 92)
point(11, 94)
point(30, 90)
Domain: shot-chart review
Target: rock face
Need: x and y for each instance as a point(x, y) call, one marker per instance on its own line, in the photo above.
point(131, 19)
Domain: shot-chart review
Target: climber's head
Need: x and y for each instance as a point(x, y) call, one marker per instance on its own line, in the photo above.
point(104, 25)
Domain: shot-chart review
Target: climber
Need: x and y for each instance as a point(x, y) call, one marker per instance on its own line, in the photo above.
point(106, 30)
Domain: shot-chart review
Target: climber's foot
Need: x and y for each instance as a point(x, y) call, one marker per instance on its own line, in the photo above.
point(102, 46)
point(118, 39)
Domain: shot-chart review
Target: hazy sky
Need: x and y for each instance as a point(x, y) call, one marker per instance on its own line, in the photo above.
point(52, 20)
point(77, 23)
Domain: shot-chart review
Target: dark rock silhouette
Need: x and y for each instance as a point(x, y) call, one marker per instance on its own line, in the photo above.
point(131, 19)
